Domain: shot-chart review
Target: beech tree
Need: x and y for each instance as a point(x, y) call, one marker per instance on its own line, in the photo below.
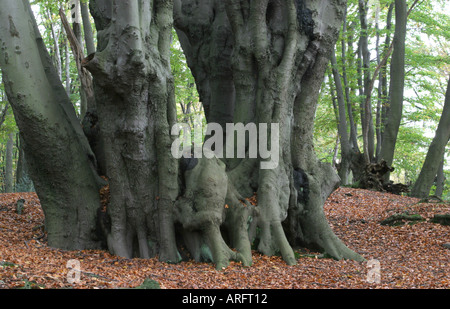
point(434, 159)
point(254, 62)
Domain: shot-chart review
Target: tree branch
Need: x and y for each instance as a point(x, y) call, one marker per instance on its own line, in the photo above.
point(287, 63)
point(235, 16)
point(85, 78)
point(3, 115)
point(258, 24)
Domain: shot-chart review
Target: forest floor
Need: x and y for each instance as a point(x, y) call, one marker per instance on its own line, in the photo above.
point(409, 256)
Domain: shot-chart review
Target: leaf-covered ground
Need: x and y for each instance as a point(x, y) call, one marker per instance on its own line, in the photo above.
point(410, 256)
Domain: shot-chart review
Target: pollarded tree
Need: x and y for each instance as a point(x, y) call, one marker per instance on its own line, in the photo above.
point(264, 62)
point(255, 62)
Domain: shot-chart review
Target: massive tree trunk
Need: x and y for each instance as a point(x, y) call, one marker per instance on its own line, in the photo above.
point(135, 108)
point(267, 60)
point(255, 62)
point(58, 155)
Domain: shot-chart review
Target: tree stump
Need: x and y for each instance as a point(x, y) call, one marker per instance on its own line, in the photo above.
point(373, 178)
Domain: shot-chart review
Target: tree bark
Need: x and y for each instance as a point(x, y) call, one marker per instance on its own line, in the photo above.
point(344, 167)
point(9, 178)
point(136, 109)
point(55, 36)
point(440, 179)
point(257, 62)
point(397, 81)
point(366, 106)
point(88, 33)
point(435, 152)
point(272, 49)
point(58, 155)
point(78, 38)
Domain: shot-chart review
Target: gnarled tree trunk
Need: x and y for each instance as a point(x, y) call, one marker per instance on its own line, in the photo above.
point(272, 57)
point(255, 62)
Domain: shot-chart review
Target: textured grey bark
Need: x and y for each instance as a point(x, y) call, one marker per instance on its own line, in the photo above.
point(88, 33)
point(435, 152)
point(348, 91)
point(344, 166)
point(67, 68)
point(57, 153)
point(366, 107)
point(76, 28)
point(397, 81)
point(135, 108)
point(258, 61)
point(55, 36)
point(273, 62)
point(9, 179)
point(440, 179)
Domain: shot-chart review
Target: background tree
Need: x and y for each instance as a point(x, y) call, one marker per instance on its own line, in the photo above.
point(9, 176)
point(425, 80)
point(396, 86)
point(435, 153)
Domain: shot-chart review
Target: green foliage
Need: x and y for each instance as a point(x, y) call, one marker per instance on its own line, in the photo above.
point(427, 67)
point(186, 95)
point(189, 107)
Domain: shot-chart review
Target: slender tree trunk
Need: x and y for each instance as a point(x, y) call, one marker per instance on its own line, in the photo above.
point(88, 33)
point(57, 53)
point(379, 93)
point(440, 179)
point(366, 107)
point(23, 181)
point(21, 166)
point(383, 72)
point(349, 36)
point(78, 37)
point(67, 67)
point(397, 81)
point(349, 90)
point(344, 167)
point(435, 152)
point(9, 178)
